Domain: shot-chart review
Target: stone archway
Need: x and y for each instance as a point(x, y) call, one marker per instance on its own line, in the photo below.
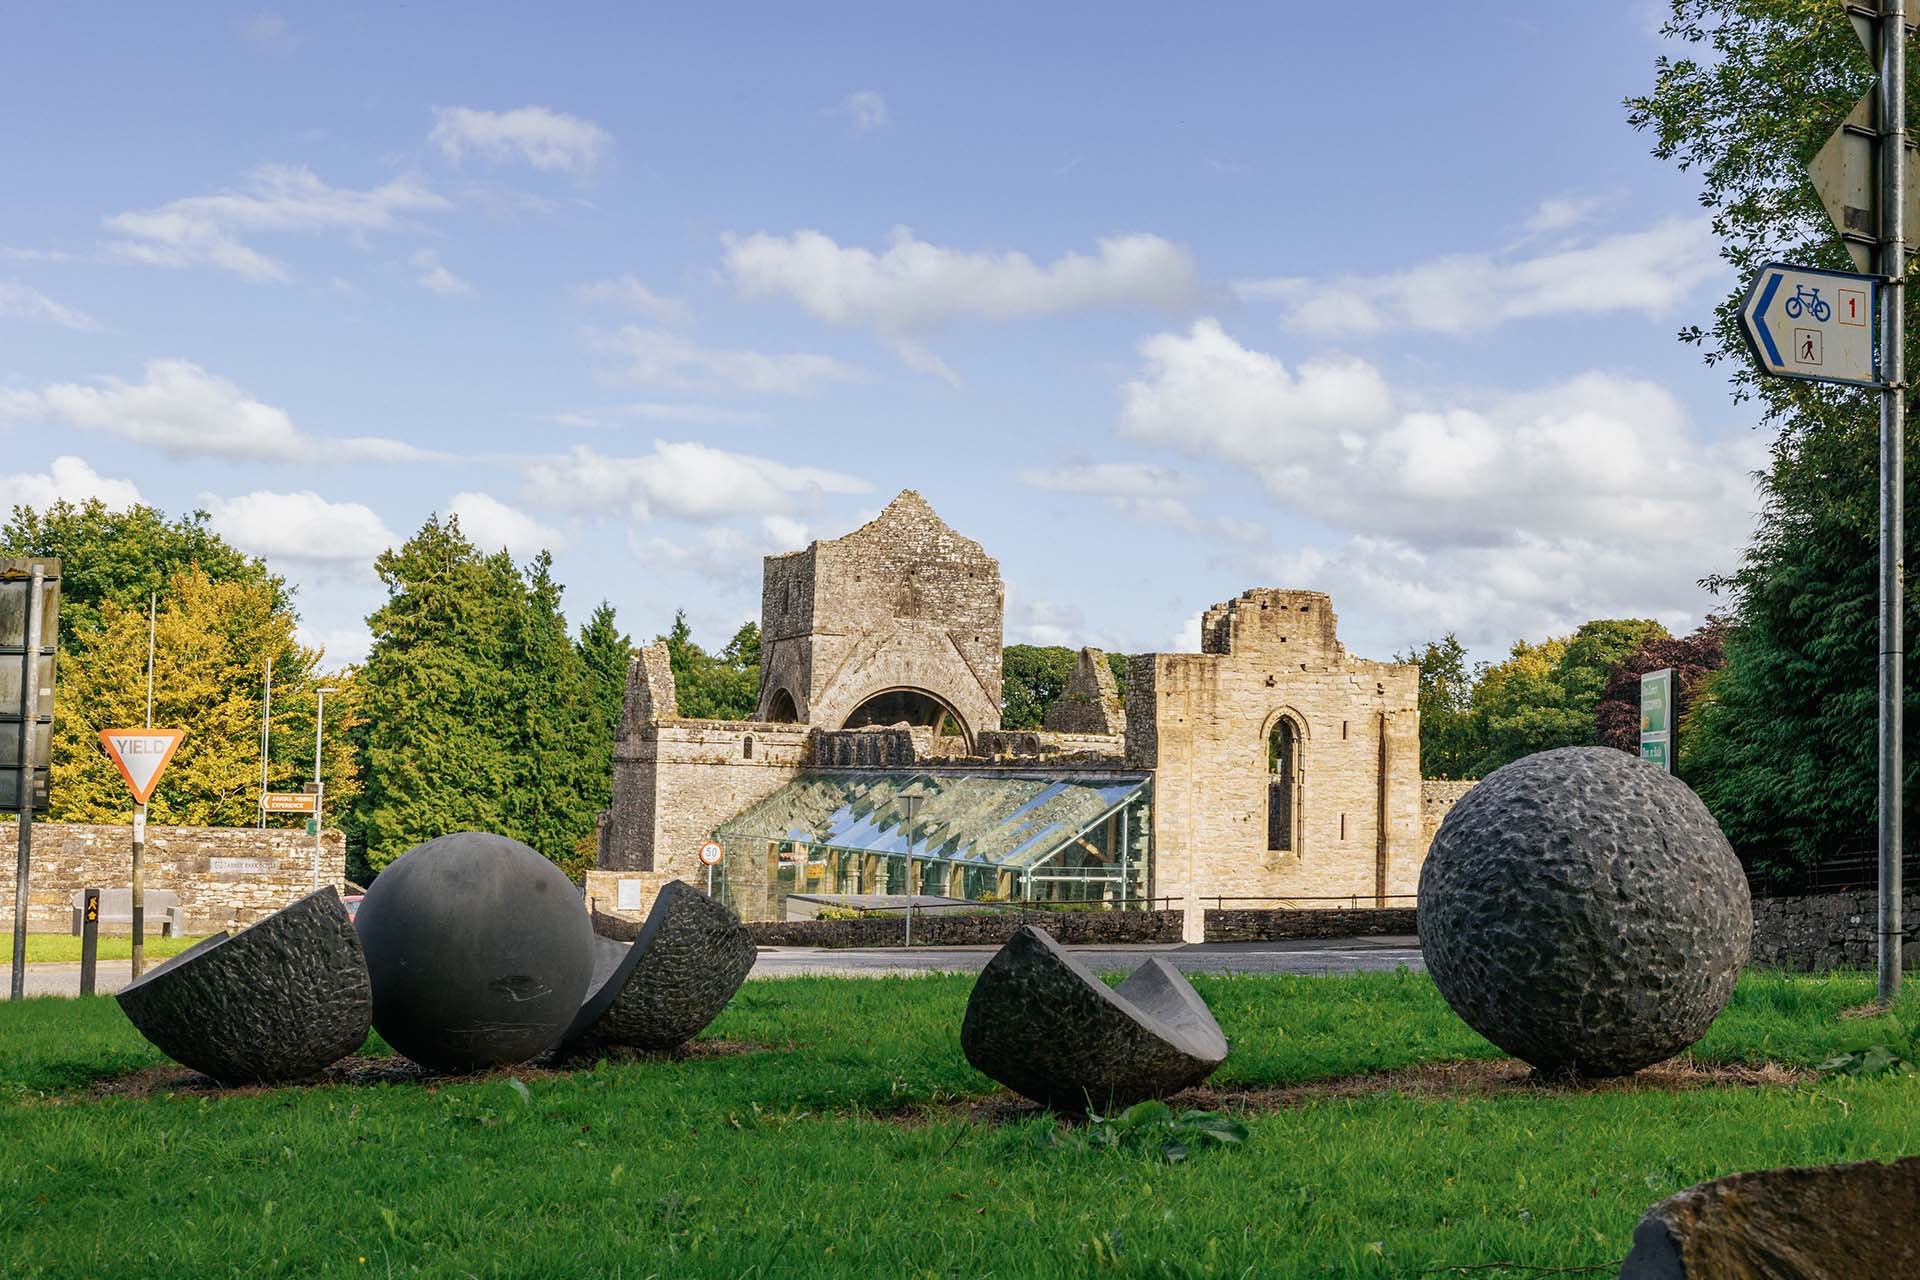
point(781, 708)
point(906, 704)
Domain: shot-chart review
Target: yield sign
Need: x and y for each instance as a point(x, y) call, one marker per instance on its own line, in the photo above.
point(141, 755)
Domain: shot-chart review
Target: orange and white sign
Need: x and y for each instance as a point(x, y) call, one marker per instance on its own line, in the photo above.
point(291, 801)
point(710, 852)
point(141, 756)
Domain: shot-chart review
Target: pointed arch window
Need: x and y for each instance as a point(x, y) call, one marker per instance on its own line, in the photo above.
point(1283, 786)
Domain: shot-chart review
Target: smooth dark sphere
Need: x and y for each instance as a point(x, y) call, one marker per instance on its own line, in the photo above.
point(1581, 909)
point(479, 950)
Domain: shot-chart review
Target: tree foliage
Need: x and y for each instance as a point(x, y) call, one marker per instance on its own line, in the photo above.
point(722, 686)
point(1449, 742)
point(1032, 676)
point(1783, 748)
point(480, 713)
point(1694, 660)
point(1546, 695)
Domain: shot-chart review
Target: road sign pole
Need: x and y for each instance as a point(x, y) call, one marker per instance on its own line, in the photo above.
point(29, 722)
point(89, 939)
point(1893, 453)
point(139, 891)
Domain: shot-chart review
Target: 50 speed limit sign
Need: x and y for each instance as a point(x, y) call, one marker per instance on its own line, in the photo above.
point(710, 853)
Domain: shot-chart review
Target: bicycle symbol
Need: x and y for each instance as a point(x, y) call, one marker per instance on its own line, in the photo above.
point(1804, 300)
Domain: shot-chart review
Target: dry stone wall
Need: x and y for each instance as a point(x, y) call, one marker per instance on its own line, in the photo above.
point(1826, 931)
point(226, 877)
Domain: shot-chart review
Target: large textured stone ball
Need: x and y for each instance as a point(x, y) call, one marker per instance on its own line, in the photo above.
point(1581, 909)
point(479, 951)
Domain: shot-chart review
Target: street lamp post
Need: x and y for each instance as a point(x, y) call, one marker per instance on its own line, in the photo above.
point(319, 787)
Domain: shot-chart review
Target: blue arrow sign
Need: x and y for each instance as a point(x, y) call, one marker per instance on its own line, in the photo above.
point(1805, 322)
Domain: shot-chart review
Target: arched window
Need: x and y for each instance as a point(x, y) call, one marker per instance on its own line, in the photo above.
point(781, 709)
point(1283, 785)
point(746, 747)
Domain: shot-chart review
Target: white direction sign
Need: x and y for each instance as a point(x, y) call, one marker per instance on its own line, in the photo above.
point(141, 756)
point(1803, 322)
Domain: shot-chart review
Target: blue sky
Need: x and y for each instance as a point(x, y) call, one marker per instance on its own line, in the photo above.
point(1158, 305)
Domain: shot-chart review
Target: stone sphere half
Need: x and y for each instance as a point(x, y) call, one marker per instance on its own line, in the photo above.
point(1581, 909)
point(479, 951)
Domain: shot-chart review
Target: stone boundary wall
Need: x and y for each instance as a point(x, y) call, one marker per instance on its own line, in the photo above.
point(1285, 925)
point(227, 877)
point(1827, 931)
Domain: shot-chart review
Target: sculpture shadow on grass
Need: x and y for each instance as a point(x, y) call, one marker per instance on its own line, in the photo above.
point(663, 988)
point(282, 1000)
point(1042, 1024)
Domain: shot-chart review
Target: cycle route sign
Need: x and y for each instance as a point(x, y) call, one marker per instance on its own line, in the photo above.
point(1804, 322)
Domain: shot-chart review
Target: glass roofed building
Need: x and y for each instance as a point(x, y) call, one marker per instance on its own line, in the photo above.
point(1271, 767)
point(1040, 837)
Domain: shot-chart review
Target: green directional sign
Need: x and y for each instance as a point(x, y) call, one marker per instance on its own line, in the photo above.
point(1656, 718)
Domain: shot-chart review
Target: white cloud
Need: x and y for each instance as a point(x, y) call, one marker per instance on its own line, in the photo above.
point(625, 291)
point(207, 230)
point(866, 109)
point(685, 479)
point(302, 526)
point(187, 412)
point(436, 277)
point(69, 478)
point(655, 357)
point(725, 553)
point(916, 287)
point(1646, 271)
point(1111, 478)
point(342, 646)
point(491, 524)
point(1047, 622)
point(17, 299)
point(1562, 213)
point(1508, 513)
point(546, 139)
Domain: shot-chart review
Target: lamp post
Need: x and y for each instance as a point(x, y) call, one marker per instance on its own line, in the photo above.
point(910, 800)
point(319, 787)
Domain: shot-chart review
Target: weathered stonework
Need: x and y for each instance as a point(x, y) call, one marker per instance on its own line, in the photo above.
point(1091, 701)
point(1820, 932)
point(1202, 723)
point(1437, 798)
point(903, 603)
point(227, 877)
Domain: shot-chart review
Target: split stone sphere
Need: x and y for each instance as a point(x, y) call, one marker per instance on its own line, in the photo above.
point(479, 950)
point(1581, 909)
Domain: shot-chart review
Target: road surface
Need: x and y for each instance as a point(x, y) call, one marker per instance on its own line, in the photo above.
point(1328, 955)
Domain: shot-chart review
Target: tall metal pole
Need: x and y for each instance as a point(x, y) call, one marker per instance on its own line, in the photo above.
point(139, 890)
point(266, 738)
point(29, 718)
point(151, 598)
point(319, 787)
point(912, 801)
point(1893, 413)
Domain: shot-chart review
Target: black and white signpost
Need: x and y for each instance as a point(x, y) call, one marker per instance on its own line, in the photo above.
point(1807, 323)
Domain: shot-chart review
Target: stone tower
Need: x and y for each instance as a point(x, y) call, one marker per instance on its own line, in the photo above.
point(899, 620)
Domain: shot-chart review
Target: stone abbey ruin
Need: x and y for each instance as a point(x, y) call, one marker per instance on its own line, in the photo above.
point(1272, 765)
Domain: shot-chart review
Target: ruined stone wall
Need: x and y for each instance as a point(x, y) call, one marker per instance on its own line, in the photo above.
point(903, 602)
point(1041, 745)
point(1090, 702)
point(675, 781)
point(1819, 932)
point(226, 877)
point(1201, 721)
point(1437, 798)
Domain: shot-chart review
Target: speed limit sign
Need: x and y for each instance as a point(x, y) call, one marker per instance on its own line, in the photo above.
point(710, 852)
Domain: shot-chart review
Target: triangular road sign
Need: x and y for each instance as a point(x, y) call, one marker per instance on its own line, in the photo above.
point(141, 755)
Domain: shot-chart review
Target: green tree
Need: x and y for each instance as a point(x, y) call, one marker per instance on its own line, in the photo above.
point(1449, 745)
point(1782, 746)
point(1031, 677)
point(710, 687)
point(123, 556)
point(437, 736)
point(607, 652)
point(561, 746)
point(1546, 695)
point(212, 641)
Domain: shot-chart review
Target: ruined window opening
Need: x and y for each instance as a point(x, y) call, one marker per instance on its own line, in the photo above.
point(1343, 731)
point(1343, 826)
point(781, 709)
point(746, 747)
point(1283, 785)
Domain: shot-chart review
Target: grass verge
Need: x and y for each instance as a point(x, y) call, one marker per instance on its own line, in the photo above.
point(60, 948)
point(788, 1162)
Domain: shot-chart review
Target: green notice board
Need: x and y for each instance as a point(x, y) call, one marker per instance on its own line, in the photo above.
point(1656, 718)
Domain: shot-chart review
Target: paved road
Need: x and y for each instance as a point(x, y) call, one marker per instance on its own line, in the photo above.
point(1332, 955)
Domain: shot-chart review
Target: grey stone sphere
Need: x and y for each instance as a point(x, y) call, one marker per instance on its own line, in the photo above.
point(479, 950)
point(1581, 909)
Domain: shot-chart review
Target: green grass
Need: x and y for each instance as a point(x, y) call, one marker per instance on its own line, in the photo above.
point(60, 948)
point(786, 1163)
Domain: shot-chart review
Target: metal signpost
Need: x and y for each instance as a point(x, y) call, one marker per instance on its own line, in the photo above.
point(1862, 177)
point(319, 786)
point(910, 800)
point(89, 939)
point(1656, 718)
point(29, 626)
point(710, 855)
point(141, 755)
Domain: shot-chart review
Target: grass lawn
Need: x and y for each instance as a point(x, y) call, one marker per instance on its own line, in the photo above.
point(832, 1151)
point(60, 948)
